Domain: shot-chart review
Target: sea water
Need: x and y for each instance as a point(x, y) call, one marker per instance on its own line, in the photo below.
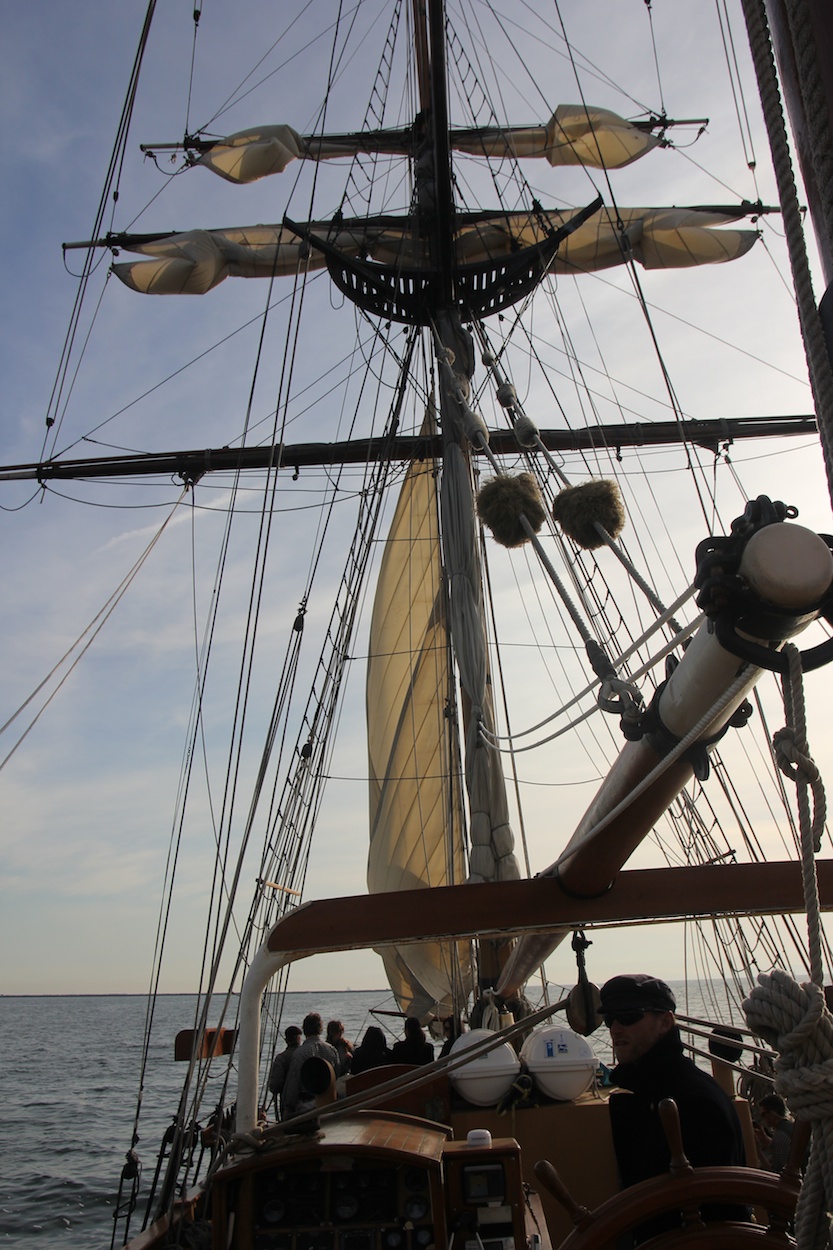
point(70, 1079)
point(70, 1087)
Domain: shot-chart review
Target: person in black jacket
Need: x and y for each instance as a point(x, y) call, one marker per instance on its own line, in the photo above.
point(639, 1011)
point(414, 1047)
point(372, 1053)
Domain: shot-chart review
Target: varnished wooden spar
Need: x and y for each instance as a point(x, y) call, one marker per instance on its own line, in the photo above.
point(492, 909)
point(192, 464)
point(540, 905)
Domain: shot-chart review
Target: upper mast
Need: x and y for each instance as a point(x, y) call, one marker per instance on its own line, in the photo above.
point(442, 234)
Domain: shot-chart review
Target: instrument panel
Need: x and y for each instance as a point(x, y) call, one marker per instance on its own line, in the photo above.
point(383, 1181)
point(336, 1205)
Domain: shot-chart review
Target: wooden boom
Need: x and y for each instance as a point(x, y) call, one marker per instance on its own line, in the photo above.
point(788, 570)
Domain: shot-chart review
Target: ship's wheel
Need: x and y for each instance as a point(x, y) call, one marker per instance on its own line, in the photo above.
point(686, 1190)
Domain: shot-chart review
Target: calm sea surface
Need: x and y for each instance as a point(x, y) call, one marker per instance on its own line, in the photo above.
point(70, 1080)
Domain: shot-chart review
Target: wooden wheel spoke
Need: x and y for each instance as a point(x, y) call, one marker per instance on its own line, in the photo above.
point(686, 1192)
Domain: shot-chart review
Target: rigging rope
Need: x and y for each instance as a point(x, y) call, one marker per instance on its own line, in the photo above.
point(227, 876)
point(816, 108)
point(626, 248)
point(90, 633)
point(528, 437)
point(496, 739)
point(110, 191)
point(818, 361)
point(616, 695)
point(793, 1018)
point(736, 86)
point(673, 755)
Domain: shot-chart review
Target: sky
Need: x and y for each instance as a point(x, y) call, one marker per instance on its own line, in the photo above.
point(87, 793)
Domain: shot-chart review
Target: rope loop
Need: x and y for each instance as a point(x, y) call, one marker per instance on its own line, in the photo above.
point(795, 1021)
point(491, 1011)
point(621, 698)
point(792, 761)
point(792, 754)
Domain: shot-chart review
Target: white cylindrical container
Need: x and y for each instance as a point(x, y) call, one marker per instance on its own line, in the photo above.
point(488, 1077)
point(561, 1062)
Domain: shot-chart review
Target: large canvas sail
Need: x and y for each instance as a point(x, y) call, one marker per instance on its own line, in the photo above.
point(574, 135)
point(196, 261)
point(415, 797)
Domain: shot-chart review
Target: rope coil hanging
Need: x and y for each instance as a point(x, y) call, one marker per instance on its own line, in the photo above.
point(793, 1019)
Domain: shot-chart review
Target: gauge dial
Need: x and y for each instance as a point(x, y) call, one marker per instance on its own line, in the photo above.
point(273, 1211)
point(346, 1206)
point(416, 1207)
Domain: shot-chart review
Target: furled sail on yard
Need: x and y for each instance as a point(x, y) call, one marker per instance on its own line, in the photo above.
point(574, 135)
point(416, 816)
point(195, 261)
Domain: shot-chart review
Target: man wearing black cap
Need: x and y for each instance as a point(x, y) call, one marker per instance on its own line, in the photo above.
point(639, 1011)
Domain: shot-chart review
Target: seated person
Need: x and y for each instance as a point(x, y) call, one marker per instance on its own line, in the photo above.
point(372, 1053)
point(414, 1047)
point(343, 1048)
point(774, 1133)
point(452, 1029)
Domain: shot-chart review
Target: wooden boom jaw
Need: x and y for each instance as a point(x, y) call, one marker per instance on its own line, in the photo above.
point(787, 571)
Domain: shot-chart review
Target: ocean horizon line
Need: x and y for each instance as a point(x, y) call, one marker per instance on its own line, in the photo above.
point(172, 993)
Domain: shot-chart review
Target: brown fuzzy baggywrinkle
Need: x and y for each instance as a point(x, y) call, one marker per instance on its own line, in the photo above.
point(577, 508)
point(500, 503)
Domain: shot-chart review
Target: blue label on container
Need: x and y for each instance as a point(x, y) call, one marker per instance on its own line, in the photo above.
point(549, 1050)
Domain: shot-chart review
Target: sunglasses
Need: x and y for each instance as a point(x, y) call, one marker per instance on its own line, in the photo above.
point(629, 1017)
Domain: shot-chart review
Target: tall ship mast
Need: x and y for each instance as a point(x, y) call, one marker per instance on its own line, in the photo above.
point(521, 564)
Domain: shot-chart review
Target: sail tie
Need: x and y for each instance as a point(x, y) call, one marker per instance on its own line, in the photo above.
point(794, 1019)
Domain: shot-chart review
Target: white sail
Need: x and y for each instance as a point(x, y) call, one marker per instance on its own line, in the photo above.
point(658, 238)
point(415, 813)
point(574, 135)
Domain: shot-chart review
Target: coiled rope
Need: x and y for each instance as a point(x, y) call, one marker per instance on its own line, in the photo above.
point(793, 1019)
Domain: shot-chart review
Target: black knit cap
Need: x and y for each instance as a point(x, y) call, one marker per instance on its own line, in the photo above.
point(633, 990)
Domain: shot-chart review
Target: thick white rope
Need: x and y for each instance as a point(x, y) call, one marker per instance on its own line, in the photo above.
point(793, 1019)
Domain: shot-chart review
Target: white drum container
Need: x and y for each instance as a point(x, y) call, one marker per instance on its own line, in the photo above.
point(488, 1077)
point(561, 1062)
